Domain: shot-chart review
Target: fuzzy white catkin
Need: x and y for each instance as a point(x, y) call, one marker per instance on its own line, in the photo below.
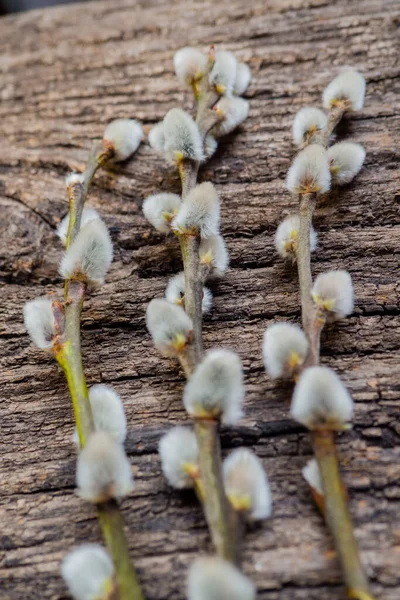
point(212, 578)
point(169, 326)
point(125, 136)
point(103, 469)
point(179, 452)
point(312, 475)
point(349, 86)
point(242, 79)
point(345, 161)
point(108, 412)
point(39, 322)
point(213, 251)
point(320, 399)
point(88, 572)
point(246, 484)
point(90, 254)
point(210, 146)
point(233, 112)
point(223, 73)
point(175, 292)
point(215, 389)
point(309, 171)
point(333, 291)
point(285, 349)
point(190, 64)
point(182, 137)
point(207, 300)
point(88, 214)
point(74, 178)
point(160, 209)
point(307, 120)
point(157, 137)
point(200, 211)
point(286, 237)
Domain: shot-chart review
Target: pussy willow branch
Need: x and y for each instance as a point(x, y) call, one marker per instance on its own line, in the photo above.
point(188, 171)
point(335, 503)
point(338, 516)
point(219, 514)
point(222, 521)
point(69, 356)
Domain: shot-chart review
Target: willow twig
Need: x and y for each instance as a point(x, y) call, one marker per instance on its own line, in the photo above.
point(218, 512)
point(69, 356)
point(214, 391)
point(338, 516)
point(221, 519)
point(335, 505)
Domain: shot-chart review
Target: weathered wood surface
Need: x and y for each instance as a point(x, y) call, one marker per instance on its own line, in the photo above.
point(65, 72)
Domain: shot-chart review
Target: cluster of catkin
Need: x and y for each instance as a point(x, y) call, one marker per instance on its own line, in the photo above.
point(103, 472)
point(320, 402)
point(236, 490)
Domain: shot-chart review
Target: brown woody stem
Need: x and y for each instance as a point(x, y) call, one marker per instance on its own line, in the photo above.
point(193, 290)
point(335, 505)
point(307, 207)
point(335, 115)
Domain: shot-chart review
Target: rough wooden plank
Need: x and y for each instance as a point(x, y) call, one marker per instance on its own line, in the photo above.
point(66, 72)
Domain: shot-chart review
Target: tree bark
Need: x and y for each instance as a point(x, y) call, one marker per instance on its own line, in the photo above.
point(65, 73)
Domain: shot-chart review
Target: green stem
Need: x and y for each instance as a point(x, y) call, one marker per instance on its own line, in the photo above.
point(112, 526)
point(77, 192)
point(337, 515)
point(68, 354)
point(70, 358)
point(218, 512)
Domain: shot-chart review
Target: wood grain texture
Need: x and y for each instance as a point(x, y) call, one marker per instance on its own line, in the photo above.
point(65, 73)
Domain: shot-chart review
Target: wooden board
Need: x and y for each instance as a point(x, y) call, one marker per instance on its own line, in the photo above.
point(66, 72)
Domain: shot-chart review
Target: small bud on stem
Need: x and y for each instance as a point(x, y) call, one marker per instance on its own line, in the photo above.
point(89, 256)
point(320, 401)
point(285, 349)
point(347, 88)
point(161, 209)
point(309, 172)
point(215, 579)
point(333, 293)
point(215, 390)
point(103, 470)
point(199, 212)
point(124, 136)
point(88, 572)
point(169, 326)
point(179, 457)
point(39, 322)
point(246, 484)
